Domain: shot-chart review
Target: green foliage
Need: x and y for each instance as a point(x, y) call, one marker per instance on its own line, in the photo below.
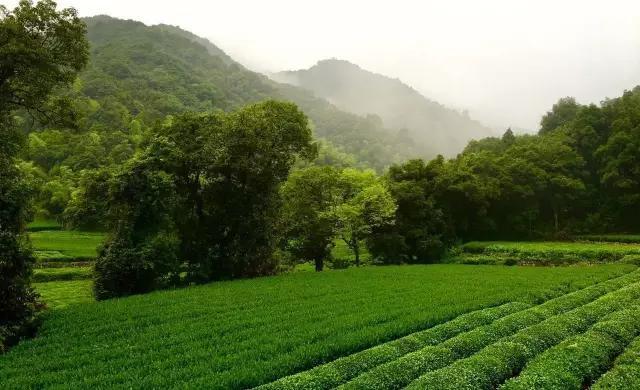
point(343, 369)
point(250, 332)
point(580, 359)
point(41, 49)
point(624, 238)
point(419, 234)
point(309, 198)
point(563, 112)
point(141, 252)
point(366, 205)
point(210, 184)
point(625, 373)
point(43, 225)
point(549, 253)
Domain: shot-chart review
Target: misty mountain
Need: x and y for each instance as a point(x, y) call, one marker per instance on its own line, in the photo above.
point(139, 73)
point(442, 130)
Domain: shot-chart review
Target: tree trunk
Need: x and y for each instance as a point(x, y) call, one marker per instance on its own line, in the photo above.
point(319, 264)
point(356, 250)
point(555, 219)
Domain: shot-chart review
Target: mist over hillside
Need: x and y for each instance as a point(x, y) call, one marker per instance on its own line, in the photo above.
point(143, 73)
point(442, 130)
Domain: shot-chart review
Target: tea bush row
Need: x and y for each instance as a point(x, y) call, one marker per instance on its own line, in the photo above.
point(625, 373)
point(500, 361)
point(398, 373)
point(575, 362)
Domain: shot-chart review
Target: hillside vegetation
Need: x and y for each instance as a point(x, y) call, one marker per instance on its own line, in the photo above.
point(438, 129)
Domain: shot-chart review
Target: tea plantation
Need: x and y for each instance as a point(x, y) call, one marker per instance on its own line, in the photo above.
point(386, 326)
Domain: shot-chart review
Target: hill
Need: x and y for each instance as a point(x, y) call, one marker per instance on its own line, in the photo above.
point(143, 73)
point(351, 88)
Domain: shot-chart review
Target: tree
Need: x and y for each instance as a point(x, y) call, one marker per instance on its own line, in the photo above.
point(208, 185)
point(562, 113)
point(310, 197)
point(366, 204)
point(420, 233)
point(40, 49)
point(142, 251)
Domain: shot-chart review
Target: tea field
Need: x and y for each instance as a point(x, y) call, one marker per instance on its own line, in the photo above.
point(65, 246)
point(368, 327)
point(546, 252)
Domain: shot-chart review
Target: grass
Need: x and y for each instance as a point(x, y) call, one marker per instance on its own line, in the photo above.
point(65, 246)
point(544, 253)
point(61, 274)
point(245, 333)
point(43, 224)
point(60, 294)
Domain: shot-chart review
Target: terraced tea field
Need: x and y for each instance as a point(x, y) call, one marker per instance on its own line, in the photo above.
point(65, 246)
point(375, 326)
point(546, 253)
point(564, 343)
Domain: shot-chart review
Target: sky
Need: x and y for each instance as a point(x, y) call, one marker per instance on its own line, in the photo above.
point(505, 61)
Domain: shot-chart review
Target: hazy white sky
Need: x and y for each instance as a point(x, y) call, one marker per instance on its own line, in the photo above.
point(506, 61)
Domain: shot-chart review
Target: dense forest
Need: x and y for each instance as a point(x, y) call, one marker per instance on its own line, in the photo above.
point(201, 170)
point(437, 129)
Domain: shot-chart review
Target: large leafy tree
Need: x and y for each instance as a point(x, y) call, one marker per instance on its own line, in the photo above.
point(41, 49)
point(310, 198)
point(366, 204)
point(211, 183)
point(420, 233)
point(562, 112)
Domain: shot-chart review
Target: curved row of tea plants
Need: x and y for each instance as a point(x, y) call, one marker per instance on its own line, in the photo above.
point(380, 370)
point(336, 372)
point(625, 374)
point(500, 361)
point(577, 361)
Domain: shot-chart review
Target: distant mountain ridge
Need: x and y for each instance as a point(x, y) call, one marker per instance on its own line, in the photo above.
point(140, 73)
point(442, 130)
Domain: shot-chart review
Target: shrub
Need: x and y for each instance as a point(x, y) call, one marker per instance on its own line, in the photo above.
point(123, 268)
point(19, 305)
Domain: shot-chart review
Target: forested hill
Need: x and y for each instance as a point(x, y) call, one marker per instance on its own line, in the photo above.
point(356, 90)
point(140, 74)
